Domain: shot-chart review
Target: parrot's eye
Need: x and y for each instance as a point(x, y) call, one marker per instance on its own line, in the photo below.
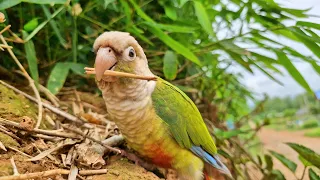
point(130, 54)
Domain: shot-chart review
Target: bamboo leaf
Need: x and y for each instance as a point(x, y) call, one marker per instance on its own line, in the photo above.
point(313, 175)
point(175, 28)
point(57, 77)
point(140, 12)
point(203, 17)
point(287, 64)
point(288, 163)
point(306, 153)
point(170, 65)
point(31, 58)
point(175, 45)
point(308, 24)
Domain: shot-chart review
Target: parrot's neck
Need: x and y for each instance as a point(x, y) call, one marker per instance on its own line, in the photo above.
point(129, 105)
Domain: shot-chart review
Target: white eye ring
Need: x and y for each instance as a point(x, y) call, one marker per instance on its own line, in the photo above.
point(129, 54)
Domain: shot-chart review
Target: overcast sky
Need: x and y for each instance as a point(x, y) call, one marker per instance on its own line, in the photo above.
point(260, 83)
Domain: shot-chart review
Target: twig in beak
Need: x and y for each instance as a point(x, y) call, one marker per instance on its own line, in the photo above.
point(121, 74)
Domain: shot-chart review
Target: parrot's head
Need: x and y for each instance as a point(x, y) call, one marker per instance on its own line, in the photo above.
point(118, 51)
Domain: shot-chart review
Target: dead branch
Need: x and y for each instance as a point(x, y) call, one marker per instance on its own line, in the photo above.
point(92, 139)
point(39, 131)
point(14, 167)
point(31, 81)
point(4, 130)
point(121, 74)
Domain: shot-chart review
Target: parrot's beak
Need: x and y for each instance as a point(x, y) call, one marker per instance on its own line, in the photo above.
point(105, 60)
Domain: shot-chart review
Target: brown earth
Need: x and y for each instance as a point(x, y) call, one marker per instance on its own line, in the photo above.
point(275, 140)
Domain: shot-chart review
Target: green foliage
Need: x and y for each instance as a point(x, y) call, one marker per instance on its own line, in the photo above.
point(315, 132)
point(310, 123)
point(32, 58)
point(313, 175)
point(288, 163)
point(306, 153)
point(170, 65)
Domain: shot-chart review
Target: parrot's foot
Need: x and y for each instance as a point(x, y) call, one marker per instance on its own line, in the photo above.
point(138, 160)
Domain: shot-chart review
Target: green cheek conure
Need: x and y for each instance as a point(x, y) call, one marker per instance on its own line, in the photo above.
point(157, 119)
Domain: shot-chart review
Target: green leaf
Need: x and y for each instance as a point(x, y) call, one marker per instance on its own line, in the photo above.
point(5, 4)
point(175, 45)
point(308, 24)
point(203, 17)
point(228, 134)
point(175, 28)
point(240, 60)
point(126, 10)
point(315, 66)
point(304, 161)
point(287, 64)
point(269, 162)
point(31, 25)
point(31, 58)
point(301, 35)
point(77, 68)
point(170, 65)
point(288, 163)
point(57, 77)
point(313, 175)
point(266, 73)
point(314, 47)
point(171, 12)
point(38, 28)
point(140, 12)
point(54, 26)
point(277, 175)
point(306, 153)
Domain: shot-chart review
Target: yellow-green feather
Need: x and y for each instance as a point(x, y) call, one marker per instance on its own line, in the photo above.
point(182, 116)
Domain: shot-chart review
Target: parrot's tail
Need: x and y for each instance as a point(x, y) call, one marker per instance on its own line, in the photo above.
point(211, 173)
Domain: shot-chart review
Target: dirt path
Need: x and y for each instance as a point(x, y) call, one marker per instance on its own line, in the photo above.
point(274, 140)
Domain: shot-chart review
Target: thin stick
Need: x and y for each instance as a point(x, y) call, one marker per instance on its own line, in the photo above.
point(39, 131)
point(14, 167)
point(121, 74)
point(5, 29)
point(50, 107)
point(18, 151)
point(3, 130)
point(93, 139)
point(5, 46)
point(31, 81)
point(52, 173)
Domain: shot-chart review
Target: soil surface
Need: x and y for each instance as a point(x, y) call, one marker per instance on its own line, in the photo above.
point(275, 140)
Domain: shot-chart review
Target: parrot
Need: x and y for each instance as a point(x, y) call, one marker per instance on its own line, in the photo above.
point(157, 120)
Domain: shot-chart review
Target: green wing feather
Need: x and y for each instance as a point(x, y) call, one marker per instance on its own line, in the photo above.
point(182, 116)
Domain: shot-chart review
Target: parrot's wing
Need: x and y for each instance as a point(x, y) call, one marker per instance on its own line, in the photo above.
point(182, 116)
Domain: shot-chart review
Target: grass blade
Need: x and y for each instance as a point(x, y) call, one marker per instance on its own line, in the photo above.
point(38, 28)
point(54, 26)
point(31, 58)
